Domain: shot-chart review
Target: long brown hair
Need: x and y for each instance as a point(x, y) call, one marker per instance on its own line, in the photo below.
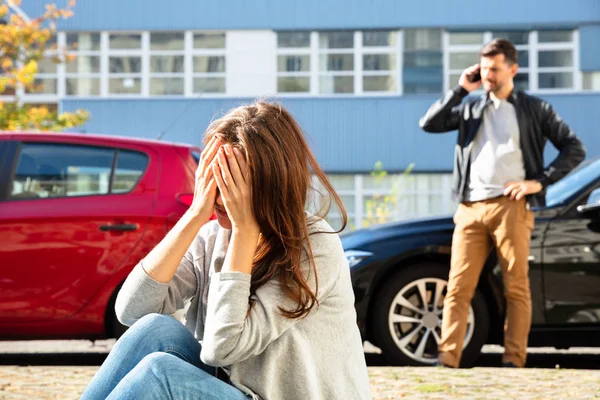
point(280, 164)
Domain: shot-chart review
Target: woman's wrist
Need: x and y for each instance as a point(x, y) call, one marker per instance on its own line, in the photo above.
point(198, 213)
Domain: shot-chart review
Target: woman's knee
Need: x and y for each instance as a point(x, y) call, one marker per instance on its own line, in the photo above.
point(157, 332)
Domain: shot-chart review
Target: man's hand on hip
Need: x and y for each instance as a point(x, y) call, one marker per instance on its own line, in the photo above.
point(520, 189)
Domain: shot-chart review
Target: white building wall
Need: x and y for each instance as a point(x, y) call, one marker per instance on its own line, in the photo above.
point(251, 63)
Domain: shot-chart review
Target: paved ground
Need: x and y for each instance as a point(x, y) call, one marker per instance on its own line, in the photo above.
point(67, 382)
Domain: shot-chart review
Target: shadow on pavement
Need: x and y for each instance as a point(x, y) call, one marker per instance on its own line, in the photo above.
point(536, 360)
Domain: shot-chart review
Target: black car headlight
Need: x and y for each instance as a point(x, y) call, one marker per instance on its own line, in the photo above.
point(356, 256)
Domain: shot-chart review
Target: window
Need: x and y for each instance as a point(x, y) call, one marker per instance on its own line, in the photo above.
point(423, 62)
point(370, 199)
point(125, 64)
point(83, 73)
point(555, 60)
point(209, 62)
point(336, 62)
point(53, 170)
point(379, 61)
point(545, 57)
point(46, 80)
point(166, 63)
point(128, 171)
point(57, 170)
point(293, 62)
point(591, 80)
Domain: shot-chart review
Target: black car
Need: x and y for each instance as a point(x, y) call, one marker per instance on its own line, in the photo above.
point(400, 272)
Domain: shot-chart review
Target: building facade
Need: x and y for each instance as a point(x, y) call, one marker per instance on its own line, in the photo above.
point(356, 74)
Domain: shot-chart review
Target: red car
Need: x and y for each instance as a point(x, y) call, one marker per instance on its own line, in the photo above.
point(77, 212)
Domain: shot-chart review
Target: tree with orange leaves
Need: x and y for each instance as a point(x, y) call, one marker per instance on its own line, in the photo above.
point(24, 42)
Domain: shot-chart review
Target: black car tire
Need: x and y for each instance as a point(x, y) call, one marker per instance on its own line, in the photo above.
point(115, 329)
point(394, 285)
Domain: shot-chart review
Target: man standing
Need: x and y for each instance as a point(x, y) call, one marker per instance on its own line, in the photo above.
point(498, 174)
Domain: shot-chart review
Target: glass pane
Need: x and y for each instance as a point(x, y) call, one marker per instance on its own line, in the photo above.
point(293, 39)
point(166, 64)
point(83, 86)
point(130, 167)
point(209, 64)
point(463, 60)
point(555, 80)
point(84, 65)
point(422, 39)
point(423, 87)
point(291, 84)
point(336, 40)
point(128, 65)
point(591, 80)
point(379, 62)
point(379, 84)
point(215, 40)
point(336, 84)
point(209, 85)
point(293, 63)
point(57, 170)
point(466, 37)
point(523, 58)
point(555, 36)
point(379, 38)
point(124, 41)
point(348, 200)
point(515, 37)
point(342, 182)
point(166, 41)
point(336, 62)
point(522, 81)
point(561, 58)
point(423, 59)
point(46, 66)
point(166, 86)
point(453, 80)
point(83, 41)
point(125, 85)
point(44, 86)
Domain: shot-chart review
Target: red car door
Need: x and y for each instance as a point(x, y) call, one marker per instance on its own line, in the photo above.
point(72, 213)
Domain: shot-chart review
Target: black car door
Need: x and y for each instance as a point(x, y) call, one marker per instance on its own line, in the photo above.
point(571, 262)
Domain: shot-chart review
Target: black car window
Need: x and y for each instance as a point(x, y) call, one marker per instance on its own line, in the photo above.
point(562, 191)
point(57, 170)
point(129, 169)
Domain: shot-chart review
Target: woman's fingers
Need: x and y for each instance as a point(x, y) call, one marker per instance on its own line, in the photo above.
point(220, 182)
point(209, 153)
point(234, 166)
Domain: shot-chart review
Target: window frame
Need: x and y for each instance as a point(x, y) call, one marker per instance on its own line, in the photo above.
point(18, 146)
point(533, 70)
point(76, 75)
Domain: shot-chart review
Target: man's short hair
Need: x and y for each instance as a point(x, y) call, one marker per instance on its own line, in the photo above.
point(500, 46)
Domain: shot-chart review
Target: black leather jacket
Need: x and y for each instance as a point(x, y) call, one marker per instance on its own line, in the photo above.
point(537, 122)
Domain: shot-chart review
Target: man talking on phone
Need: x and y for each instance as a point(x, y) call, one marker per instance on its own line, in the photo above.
point(499, 175)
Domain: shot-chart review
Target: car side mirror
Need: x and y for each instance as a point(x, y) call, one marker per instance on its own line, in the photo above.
point(591, 209)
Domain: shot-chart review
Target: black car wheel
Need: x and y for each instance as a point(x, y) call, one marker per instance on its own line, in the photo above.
point(114, 329)
point(407, 316)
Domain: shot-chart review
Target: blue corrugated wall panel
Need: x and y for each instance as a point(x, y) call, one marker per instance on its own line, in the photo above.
point(319, 14)
point(589, 43)
point(346, 134)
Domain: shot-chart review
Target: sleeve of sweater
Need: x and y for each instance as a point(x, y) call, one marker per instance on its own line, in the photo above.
point(141, 295)
point(232, 334)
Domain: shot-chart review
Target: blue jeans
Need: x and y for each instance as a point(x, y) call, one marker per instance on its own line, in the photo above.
point(158, 358)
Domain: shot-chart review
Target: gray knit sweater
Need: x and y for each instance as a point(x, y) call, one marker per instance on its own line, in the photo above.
point(268, 356)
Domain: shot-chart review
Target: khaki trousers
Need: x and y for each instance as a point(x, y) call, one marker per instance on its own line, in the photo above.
point(507, 225)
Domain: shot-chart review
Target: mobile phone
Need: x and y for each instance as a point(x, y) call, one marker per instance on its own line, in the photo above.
point(475, 77)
